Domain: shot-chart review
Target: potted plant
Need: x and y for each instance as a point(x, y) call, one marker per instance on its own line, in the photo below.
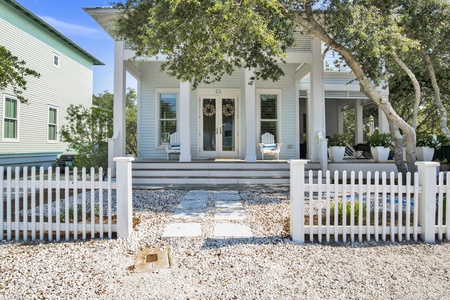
point(425, 146)
point(380, 144)
point(336, 146)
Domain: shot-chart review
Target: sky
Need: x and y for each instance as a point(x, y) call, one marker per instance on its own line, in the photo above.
point(69, 18)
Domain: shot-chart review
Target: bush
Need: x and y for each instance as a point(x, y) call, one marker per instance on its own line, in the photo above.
point(337, 139)
point(380, 139)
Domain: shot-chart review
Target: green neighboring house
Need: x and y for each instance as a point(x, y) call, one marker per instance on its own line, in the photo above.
point(30, 132)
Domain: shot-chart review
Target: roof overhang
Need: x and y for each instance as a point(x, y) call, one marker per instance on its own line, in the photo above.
point(104, 16)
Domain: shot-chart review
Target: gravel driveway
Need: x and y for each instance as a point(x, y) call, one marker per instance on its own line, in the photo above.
point(268, 266)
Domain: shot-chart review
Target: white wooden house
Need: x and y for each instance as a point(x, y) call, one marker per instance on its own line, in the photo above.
point(225, 120)
point(29, 132)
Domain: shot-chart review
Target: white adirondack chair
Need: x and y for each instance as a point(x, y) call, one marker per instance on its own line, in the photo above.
point(174, 146)
point(268, 145)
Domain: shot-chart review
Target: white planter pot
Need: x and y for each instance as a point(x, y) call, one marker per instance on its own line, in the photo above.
point(379, 153)
point(336, 153)
point(424, 153)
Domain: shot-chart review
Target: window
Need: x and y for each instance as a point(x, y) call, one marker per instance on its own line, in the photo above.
point(167, 116)
point(269, 114)
point(56, 60)
point(52, 124)
point(10, 119)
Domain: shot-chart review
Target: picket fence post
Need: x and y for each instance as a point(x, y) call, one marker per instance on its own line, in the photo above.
point(124, 196)
point(297, 199)
point(427, 199)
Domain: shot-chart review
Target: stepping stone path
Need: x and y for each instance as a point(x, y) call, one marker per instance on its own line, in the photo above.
point(198, 205)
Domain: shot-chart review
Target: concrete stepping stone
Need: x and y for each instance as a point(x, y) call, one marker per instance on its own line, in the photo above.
point(227, 197)
point(189, 214)
point(228, 192)
point(177, 230)
point(229, 204)
point(230, 214)
point(192, 203)
point(232, 230)
point(196, 197)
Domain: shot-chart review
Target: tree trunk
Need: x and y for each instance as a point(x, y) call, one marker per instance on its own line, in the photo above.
point(399, 140)
point(437, 93)
point(416, 85)
point(367, 86)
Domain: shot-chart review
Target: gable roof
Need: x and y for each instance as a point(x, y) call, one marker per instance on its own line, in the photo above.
point(52, 30)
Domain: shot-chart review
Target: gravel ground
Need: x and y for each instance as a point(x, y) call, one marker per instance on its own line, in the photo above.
point(268, 266)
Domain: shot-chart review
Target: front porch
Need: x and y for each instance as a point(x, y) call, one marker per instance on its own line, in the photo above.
point(236, 172)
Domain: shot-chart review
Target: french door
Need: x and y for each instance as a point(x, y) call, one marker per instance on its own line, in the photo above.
point(218, 127)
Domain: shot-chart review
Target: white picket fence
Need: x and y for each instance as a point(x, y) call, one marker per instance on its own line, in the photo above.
point(374, 206)
point(40, 204)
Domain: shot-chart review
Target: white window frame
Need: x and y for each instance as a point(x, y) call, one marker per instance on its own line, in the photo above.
point(17, 138)
point(157, 114)
point(56, 124)
point(53, 60)
point(260, 92)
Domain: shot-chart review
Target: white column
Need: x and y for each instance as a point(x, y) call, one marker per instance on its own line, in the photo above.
point(297, 191)
point(427, 199)
point(383, 124)
point(340, 119)
point(124, 196)
point(297, 113)
point(184, 123)
point(118, 148)
point(250, 118)
point(316, 101)
point(359, 122)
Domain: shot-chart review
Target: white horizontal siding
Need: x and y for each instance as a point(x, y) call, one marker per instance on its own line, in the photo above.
point(288, 118)
point(71, 83)
point(153, 79)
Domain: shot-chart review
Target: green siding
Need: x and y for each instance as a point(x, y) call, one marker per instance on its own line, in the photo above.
point(23, 23)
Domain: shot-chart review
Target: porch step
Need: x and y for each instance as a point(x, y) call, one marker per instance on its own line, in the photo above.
point(210, 172)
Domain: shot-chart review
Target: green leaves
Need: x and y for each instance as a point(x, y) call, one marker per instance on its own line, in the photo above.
point(13, 72)
point(205, 40)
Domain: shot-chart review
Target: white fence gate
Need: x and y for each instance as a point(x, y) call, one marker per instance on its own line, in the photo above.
point(369, 207)
point(47, 205)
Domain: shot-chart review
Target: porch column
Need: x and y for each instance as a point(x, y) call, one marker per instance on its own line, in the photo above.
point(184, 129)
point(316, 101)
point(359, 122)
point(118, 148)
point(383, 124)
point(250, 118)
point(340, 117)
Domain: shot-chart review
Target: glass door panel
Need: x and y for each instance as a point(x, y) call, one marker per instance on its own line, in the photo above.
point(228, 130)
point(218, 127)
point(209, 124)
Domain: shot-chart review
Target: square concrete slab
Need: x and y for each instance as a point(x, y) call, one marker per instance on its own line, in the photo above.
point(152, 259)
point(177, 230)
point(229, 204)
point(194, 203)
point(200, 192)
point(230, 214)
point(228, 197)
point(228, 192)
point(196, 197)
point(189, 214)
point(232, 230)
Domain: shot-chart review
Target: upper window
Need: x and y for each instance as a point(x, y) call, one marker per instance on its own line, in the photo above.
point(56, 60)
point(10, 119)
point(167, 116)
point(52, 124)
point(269, 114)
